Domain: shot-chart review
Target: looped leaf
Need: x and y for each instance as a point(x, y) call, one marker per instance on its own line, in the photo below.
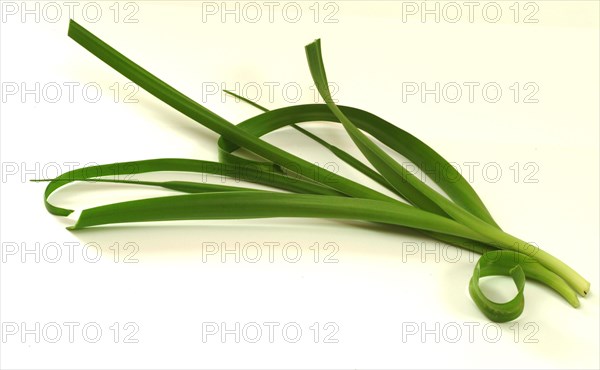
point(504, 263)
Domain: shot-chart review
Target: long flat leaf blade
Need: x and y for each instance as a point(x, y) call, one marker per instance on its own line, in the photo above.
point(209, 119)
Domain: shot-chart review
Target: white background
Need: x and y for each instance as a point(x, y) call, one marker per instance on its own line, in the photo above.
point(381, 285)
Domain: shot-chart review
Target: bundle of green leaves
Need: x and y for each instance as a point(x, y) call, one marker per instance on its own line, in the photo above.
point(456, 215)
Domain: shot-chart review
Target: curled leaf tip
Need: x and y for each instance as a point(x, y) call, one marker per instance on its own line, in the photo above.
point(491, 264)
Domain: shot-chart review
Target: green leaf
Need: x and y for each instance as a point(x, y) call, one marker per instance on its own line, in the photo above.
point(128, 169)
point(240, 204)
